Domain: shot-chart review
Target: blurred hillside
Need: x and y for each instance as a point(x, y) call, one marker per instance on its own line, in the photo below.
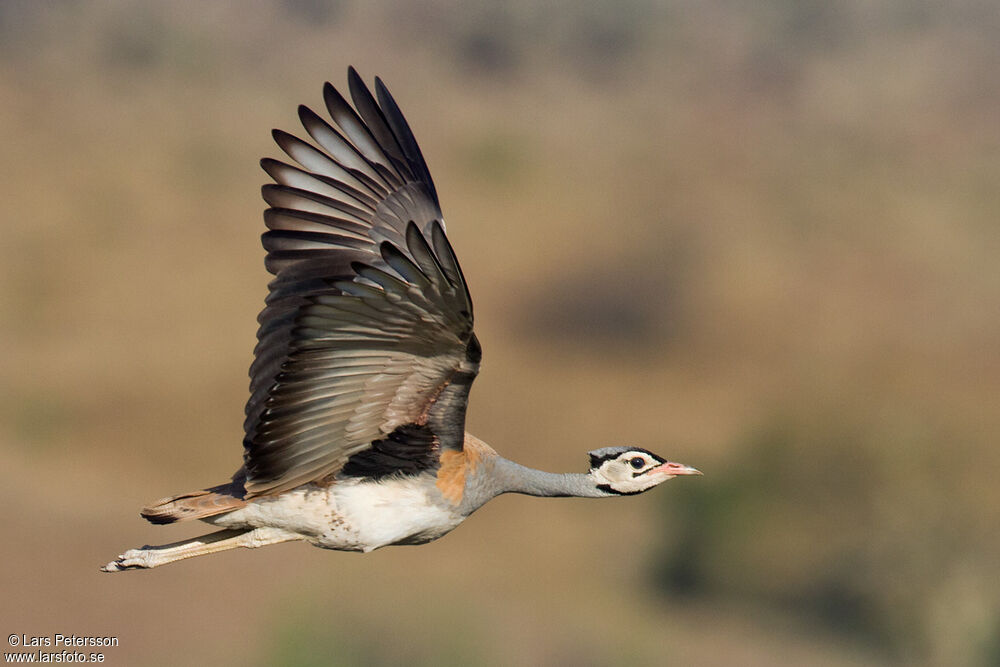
point(760, 239)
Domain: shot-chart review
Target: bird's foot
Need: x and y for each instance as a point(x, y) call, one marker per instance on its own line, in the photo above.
point(130, 560)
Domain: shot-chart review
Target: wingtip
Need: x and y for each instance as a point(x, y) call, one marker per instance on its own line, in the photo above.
point(334, 101)
point(271, 167)
point(352, 76)
point(380, 88)
point(357, 87)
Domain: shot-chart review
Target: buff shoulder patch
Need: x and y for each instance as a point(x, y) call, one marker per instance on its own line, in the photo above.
point(457, 466)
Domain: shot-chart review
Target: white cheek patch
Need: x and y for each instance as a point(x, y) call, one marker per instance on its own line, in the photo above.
point(616, 472)
point(632, 485)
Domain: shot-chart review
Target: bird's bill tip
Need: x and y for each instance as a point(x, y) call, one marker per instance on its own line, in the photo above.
point(675, 469)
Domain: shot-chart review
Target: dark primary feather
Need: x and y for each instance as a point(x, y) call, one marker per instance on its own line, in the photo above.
point(367, 326)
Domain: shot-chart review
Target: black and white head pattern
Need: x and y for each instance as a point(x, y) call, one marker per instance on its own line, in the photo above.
point(626, 471)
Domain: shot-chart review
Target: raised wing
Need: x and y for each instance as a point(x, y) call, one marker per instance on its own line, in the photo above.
point(366, 336)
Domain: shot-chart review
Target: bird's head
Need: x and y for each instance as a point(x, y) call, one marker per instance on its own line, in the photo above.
point(626, 471)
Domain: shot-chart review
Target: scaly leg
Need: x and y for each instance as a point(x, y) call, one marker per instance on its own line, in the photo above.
point(149, 556)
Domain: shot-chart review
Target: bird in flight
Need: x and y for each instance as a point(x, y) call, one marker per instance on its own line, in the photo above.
point(355, 427)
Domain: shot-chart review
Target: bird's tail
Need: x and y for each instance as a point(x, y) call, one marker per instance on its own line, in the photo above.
point(198, 504)
point(194, 505)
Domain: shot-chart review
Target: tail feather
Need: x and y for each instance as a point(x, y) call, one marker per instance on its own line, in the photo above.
point(197, 504)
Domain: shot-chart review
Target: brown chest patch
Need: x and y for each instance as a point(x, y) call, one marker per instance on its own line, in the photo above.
point(456, 467)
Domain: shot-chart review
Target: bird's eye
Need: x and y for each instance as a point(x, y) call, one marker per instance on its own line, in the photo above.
point(637, 462)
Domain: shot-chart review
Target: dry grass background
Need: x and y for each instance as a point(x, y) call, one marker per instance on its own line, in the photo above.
point(758, 239)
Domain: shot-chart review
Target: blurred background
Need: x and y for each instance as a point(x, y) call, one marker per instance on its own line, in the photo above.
point(758, 238)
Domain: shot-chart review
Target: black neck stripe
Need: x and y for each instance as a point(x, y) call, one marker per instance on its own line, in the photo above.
point(607, 489)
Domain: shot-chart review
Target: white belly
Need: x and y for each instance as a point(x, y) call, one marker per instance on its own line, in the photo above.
point(352, 515)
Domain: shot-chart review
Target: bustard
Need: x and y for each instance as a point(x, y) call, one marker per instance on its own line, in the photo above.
point(355, 427)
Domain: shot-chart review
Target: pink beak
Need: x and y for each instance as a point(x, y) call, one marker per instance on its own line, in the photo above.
point(676, 469)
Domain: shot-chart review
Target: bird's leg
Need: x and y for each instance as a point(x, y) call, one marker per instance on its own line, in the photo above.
point(154, 556)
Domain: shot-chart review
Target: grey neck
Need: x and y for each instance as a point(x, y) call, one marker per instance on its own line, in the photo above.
point(509, 477)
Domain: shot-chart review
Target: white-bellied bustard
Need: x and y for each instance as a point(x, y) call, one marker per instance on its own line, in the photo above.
point(355, 426)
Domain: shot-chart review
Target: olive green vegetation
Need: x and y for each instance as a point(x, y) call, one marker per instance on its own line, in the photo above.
point(812, 518)
point(758, 238)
